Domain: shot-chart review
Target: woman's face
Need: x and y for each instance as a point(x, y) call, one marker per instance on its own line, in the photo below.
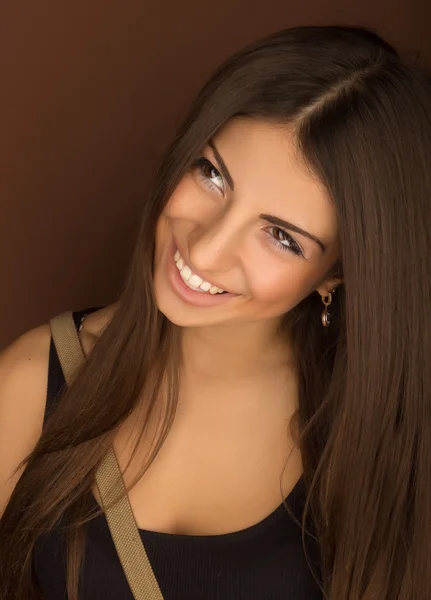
point(230, 237)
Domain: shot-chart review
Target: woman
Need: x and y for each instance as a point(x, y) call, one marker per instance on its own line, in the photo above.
point(275, 422)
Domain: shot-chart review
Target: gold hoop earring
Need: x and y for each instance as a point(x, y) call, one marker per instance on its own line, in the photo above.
point(326, 315)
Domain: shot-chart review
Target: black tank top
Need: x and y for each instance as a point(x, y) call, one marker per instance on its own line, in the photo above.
point(263, 562)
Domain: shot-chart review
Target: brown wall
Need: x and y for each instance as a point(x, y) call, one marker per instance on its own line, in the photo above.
point(91, 92)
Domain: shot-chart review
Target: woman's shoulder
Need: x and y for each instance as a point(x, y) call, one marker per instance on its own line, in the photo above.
point(24, 369)
point(23, 385)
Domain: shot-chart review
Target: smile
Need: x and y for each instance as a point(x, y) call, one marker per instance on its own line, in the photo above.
point(190, 287)
point(193, 281)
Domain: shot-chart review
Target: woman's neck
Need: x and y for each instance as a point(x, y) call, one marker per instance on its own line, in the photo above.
point(234, 353)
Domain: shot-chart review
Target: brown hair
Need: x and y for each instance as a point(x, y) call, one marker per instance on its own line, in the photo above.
point(362, 120)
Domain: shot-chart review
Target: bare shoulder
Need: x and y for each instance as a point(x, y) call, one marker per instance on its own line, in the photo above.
point(23, 386)
point(24, 368)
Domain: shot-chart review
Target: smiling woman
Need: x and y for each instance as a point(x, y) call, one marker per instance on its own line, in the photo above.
point(263, 378)
point(220, 227)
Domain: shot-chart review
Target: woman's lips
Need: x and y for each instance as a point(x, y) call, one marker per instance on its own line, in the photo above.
point(198, 299)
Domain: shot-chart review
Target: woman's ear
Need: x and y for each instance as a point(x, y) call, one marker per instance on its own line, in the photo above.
point(330, 285)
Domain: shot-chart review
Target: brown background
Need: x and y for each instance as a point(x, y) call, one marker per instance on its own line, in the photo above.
point(91, 92)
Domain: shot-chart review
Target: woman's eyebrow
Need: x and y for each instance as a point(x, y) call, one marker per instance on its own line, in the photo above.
point(270, 218)
point(280, 223)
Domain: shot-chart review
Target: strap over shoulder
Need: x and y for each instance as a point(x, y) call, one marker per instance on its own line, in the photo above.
point(67, 344)
point(110, 483)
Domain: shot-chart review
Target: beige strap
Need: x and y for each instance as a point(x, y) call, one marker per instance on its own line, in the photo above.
point(110, 483)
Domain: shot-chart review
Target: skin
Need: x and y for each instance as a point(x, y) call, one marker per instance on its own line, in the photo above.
point(224, 239)
point(219, 469)
point(222, 467)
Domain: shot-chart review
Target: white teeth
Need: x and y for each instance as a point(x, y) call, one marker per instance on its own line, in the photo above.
point(186, 273)
point(194, 281)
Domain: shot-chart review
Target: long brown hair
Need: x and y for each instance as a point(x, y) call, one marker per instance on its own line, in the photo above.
point(362, 120)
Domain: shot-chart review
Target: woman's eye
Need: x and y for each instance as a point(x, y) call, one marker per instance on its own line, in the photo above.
point(285, 242)
point(207, 171)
